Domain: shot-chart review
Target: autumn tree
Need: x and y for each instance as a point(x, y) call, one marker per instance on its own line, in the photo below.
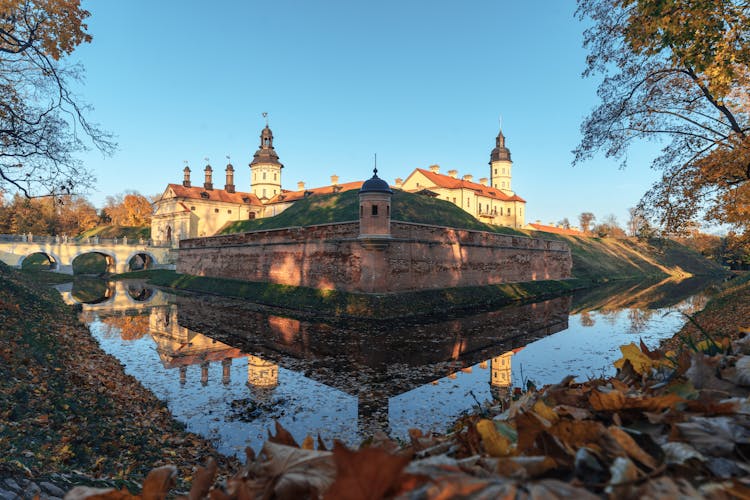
point(585, 220)
point(63, 215)
point(609, 227)
point(674, 71)
point(128, 209)
point(42, 124)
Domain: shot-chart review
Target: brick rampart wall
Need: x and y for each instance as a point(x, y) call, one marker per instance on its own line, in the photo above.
point(417, 257)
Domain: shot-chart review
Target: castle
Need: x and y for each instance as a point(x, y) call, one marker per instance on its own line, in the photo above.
point(185, 211)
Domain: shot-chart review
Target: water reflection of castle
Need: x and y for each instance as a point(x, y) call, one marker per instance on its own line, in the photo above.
point(179, 347)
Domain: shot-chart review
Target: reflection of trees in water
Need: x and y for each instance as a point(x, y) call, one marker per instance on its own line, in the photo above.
point(126, 327)
point(693, 304)
point(586, 319)
point(639, 319)
point(610, 316)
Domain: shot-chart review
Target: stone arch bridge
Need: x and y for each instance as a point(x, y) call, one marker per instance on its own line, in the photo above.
point(119, 253)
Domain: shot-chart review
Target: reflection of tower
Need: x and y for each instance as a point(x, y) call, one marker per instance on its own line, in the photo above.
point(261, 373)
point(500, 375)
point(226, 371)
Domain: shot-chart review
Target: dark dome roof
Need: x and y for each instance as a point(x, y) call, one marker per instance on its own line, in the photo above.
point(500, 153)
point(375, 185)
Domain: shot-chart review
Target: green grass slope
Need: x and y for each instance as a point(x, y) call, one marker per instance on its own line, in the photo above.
point(108, 232)
point(604, 259)
point(343, 207)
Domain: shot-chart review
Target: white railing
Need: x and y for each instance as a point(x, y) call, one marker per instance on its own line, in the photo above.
point(92, 240)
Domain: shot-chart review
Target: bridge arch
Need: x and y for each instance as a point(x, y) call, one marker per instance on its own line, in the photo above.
point(110, 257)
point(140, 259)
point(55, 261)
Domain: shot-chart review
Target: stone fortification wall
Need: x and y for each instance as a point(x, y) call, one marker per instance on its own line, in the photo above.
point(416, 257)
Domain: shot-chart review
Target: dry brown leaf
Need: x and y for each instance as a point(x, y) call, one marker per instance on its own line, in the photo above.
point(631, 447)
point(578, 433)
point(494, 443)
point(574, 412)
point(679, 453)
point(554, 489)
point(294, 472)
point(623, 475)
point(740, 373)
point(365, 474)
point(308, 443)
point(88, 493)
point(158, 482)
point(713, 436)
point(282, 436)
point(653, 403)
point(703, 373)
point(665, 487)
point(203, 479)
point(525, 467)
point(463, 486)
point(607, 401)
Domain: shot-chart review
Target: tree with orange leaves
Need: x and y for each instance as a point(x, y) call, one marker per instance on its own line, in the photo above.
point(675, 71)
point(39, 116)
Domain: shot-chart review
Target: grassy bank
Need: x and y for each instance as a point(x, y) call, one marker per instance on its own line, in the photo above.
point(311, 301)
point(605, 259)
point(65, 405)
point(130, 232)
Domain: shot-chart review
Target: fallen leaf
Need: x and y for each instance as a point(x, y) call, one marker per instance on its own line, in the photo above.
point(158, 482)
point(612, 400)
point(494, 443)
point(368, 473)
point(88, 493)
point(665, 487)
point(640, 362)
point(713, 436)
point(203, 479)
point(553, 488)
point(623, 475)
point(631, 447)
point(282, 436)
point(297, 473)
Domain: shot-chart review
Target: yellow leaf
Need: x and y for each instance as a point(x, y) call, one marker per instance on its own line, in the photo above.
point(545, 411)
point(308, 443)
point(495, 443)
point(641, 363)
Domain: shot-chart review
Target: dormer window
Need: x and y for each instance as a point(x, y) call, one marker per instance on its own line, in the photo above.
point(246, 199)
point(204, 195)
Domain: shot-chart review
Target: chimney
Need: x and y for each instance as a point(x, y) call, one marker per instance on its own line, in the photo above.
point(399, 182)
point(229, 187)
point(435, 169)
point(186, 178)
point(468, 177)
point(453, 173)
point(483, 181)
point(334, 180)
point(300, 186)
point(208, 184)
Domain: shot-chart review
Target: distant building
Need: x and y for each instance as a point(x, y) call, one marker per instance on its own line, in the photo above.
point(187, 211)
point(552, 228)
point(490, 200)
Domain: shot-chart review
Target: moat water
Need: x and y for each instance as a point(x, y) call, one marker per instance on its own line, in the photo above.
point(228, 370)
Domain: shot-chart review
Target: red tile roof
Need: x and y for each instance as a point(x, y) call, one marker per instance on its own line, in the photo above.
point(446, 181)
point(288, 196)
point(555, 230)
point(196, 193)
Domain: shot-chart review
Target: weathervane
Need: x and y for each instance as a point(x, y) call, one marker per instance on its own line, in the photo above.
point(229, 159)
point(500, 119)
point(206, 160)
point(375, 170)
point(265, 115)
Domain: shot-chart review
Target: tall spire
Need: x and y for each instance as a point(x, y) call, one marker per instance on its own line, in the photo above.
point(501, 152)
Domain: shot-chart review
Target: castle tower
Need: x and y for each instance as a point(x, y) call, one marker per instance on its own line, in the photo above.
point(500, 165)
point(375, 208)
point(265, 169)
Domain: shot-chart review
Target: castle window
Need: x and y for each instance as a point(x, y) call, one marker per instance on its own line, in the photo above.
point(229, 211)
point(374, 210)
point(508, 210)
point(251, 215)
point(264, 176)
point(274, 191)
point(468, 202)
point(361, 210)
point(274, 176)
point(388, 210)
point(264, 189)
point(204, 195)
point(192, 208)
point(454, 199)
point(503, 170)
point(216, 210)
point(495, 171)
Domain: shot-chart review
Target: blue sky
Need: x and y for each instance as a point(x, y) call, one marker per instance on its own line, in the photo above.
point(416, 82)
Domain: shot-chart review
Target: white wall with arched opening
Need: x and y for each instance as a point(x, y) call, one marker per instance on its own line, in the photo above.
point(39, 260)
